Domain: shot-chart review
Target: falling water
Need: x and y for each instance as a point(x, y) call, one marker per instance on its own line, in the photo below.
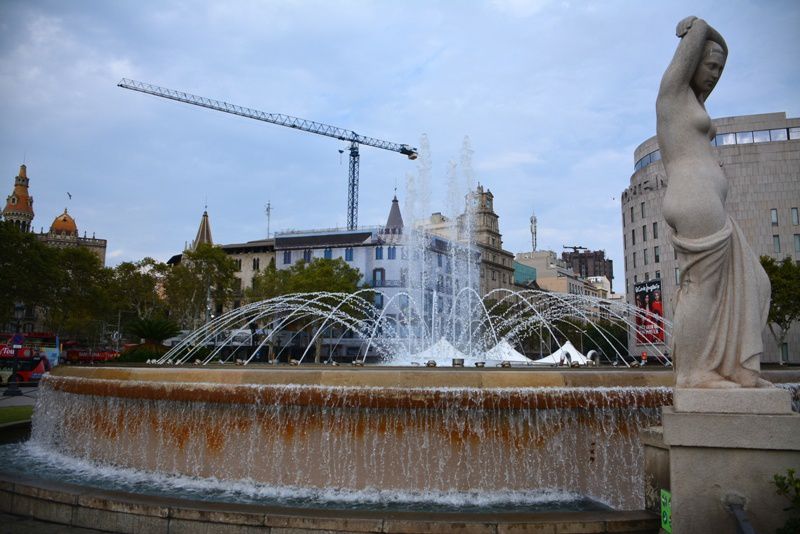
point(442, 443)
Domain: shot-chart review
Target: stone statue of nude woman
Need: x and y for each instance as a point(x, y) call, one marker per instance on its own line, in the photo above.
point(723, 300)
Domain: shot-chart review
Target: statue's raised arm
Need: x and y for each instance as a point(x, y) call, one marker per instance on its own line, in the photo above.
point(723, 299)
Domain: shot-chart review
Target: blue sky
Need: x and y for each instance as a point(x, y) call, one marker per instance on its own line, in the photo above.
point(554, 97)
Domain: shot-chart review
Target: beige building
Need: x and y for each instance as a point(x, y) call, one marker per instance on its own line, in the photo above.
point(553, 274)
point(497, 264)
point(761, 158)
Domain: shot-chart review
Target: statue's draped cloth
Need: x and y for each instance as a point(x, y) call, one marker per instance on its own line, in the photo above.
point(721, 275)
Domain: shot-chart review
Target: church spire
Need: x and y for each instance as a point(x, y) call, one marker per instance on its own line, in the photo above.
point(394, 224)
point(203, 232)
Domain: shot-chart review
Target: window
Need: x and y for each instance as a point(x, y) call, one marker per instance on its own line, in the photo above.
point(656, 254)
point(658, 275)
point(633, 236)
point(795, 217)
point(744, 138)
point(238, 263)
point(237, 285)
point(634, 260)
point(761, 136)
point(797, 242)
point(642, 206)
point(504, 278)
point(644, 233)
point(256, 264)
point(379, 301)
point(675, 254)
point(287, 257)
point(327, 254)
point(392, 253)
point(677, 276)
point(631, 213)
point(794, 133)
point(773, 215)
point(348, 254)
point(725, 139)
point(307, 255)
point(626, 263)
point(624, 240)
point(635, 279)
point(483, 272)
point(646, 277)
point(644, 256)
point(623, 219)
point(655, 230)
point(494, 274)
point(776, 244)
point(778, 135)
point(378, 253)
point(378, 277)
point(438, 260)
point(785, 352)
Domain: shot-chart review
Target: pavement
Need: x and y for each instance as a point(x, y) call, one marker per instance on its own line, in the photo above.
point(28, 397)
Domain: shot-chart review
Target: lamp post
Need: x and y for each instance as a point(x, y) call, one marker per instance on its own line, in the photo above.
point(16, 345)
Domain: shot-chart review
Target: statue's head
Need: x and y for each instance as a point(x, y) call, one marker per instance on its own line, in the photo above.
point(709, 69)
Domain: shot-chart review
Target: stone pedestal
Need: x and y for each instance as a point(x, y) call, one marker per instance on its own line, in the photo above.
point(725, 446)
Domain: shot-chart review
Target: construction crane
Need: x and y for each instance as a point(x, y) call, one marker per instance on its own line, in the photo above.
point(292, 122)
point(574, 248)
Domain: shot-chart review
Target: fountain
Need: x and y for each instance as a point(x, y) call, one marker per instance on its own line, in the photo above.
point(391, 434)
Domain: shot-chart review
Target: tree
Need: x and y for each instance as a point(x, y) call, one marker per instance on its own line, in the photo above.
point(80, 300)
point(335, 276)
point(268, 283)
point(135, 287)
point(204, 273)
point(29, 270)
point(784, 309)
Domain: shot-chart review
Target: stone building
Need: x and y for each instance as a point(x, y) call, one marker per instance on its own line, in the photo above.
point(497, 264)
point(63, 232)
point(761, 157)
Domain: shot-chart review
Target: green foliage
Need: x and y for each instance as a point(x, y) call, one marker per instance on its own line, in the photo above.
point(268, 283)
point(322, 275)
point(204, 272)
point(784, 309)
point(789, 486)
point(143, 352)
point(29, 270)
point(134, 287)
point(80, 297)
point(153, 329)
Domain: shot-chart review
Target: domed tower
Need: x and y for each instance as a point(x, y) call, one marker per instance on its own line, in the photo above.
point(64, 226)
point(19, 204)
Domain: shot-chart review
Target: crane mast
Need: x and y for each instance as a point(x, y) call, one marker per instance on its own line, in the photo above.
point(290, 122)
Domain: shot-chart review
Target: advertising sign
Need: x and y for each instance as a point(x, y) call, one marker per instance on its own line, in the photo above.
point(650, 308)
point(666, 510)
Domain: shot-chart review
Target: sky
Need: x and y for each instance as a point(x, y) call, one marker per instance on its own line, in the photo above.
point(554, 96)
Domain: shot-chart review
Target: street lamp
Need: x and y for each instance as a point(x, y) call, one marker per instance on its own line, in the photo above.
point(16, 345)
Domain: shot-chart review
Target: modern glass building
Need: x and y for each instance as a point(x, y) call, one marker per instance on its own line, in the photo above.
point(761, 158)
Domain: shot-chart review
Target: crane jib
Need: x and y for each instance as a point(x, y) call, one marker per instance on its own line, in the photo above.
point(292, 122)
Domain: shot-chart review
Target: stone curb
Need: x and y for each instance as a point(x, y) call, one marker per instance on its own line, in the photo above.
point(111, 511)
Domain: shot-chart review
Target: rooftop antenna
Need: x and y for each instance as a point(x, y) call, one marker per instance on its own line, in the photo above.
point(268, 211)
point(533, 231)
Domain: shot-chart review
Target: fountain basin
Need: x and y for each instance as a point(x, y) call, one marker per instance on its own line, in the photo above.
point(424, 434)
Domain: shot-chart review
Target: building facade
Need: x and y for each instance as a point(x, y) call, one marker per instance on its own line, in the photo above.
point(553, 274)
point(480, 224)
point(761, 158)
point(590, 263)
point(63, 232)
